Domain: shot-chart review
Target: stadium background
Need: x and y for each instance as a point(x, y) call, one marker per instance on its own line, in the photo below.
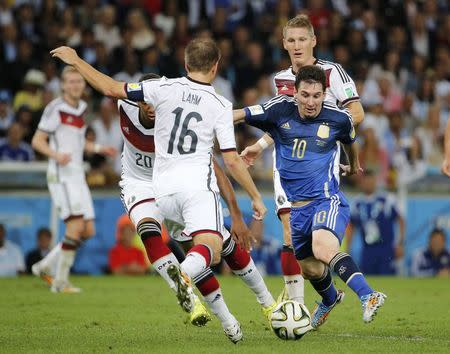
point(397, 52)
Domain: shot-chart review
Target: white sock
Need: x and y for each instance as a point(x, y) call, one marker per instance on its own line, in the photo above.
point(295, 285)
point(219, 308)
point(194, 264)
point(65, 262)
point(251, 276)
point(161, 265)
point(50, 259)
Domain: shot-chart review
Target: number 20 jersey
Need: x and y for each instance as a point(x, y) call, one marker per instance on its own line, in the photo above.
point(189, 115)
point(138, 153)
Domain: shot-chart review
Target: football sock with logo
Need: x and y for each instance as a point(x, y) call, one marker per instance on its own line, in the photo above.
point(65, 260)
point(157, 252)
point(344, 266)
point(242, 265)
point(293, 280)
point(209, 287)
point(324, 286)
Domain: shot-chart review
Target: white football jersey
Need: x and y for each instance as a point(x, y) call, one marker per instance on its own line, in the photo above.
point(340, 87)
point(138, 155)
point(189, 115)
point(66, 128)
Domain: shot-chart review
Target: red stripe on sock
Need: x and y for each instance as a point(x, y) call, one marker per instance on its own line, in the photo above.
point(208, 286)
point(203, 251)
point(155, 248)
point(238, 259)
point(289, 264)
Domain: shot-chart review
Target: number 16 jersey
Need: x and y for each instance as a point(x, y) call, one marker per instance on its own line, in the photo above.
point(189, 115)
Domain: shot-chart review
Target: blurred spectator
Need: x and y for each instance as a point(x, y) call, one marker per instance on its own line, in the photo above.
point(107, 129)
point(431, 138)
point(31, 95)
point(165, 20)
point(130, 71)
point(434, 260)
point(6, 113)
point(376, 216)
point(87, 47)
point(70, 31)
point(374, 157)
point(13, 148)
point(124, 258)
point(11, 257)
point(143, 36)
point(106, 31)
point(44, 239)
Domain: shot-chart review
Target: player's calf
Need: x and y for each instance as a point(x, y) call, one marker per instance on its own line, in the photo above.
point(243, 266)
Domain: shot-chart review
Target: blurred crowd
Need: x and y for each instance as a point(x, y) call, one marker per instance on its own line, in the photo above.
point(397, 52)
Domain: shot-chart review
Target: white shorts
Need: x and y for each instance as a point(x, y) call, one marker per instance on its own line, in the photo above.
point(282, 205)
point(198, 211)
point(72, 199)
point(138, 199)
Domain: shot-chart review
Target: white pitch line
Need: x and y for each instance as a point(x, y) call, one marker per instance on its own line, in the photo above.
point(410, 339)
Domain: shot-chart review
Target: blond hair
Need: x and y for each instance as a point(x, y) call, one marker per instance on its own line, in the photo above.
point(299, 21)
point(68, 69)
point(201, 54)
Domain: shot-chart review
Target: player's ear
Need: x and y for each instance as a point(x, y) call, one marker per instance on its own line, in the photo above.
point(284, 43)
point(214, 68)
point(313, 41)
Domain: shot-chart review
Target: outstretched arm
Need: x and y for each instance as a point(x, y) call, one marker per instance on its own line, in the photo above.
point(101, 82)
point(239, 229)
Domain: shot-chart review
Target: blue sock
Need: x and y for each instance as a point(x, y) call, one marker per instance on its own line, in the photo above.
point(344, 266)
point(324, 286)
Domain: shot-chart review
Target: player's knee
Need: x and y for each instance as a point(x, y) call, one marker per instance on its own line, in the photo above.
point(75, 227)
point(310, 271)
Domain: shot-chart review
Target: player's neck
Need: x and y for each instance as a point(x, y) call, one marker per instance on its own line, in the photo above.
point(297, 67)
point(200, 78)
point(71, 101)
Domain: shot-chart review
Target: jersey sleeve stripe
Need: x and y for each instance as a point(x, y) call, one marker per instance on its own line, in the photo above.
point(344, 76)
point(351, 99)
point(283, 98)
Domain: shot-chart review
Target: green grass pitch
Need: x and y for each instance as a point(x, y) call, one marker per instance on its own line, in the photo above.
point(140, 315)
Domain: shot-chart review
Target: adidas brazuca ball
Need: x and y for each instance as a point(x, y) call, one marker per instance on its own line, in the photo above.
point(290, 320)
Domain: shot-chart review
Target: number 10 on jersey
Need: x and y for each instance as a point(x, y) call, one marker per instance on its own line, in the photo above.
point(184, 132)
point(298, 149)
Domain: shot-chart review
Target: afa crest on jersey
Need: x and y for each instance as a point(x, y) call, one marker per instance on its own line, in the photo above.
point(323, 132)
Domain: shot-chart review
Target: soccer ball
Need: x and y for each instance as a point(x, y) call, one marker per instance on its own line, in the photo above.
point(290, 320)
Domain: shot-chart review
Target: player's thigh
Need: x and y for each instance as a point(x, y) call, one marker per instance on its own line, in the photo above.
point(66, 203)
point(301, 223)
point(74, 227)
point(330, 220)
point(282, 205)
point(312, 268)
point(139, 201)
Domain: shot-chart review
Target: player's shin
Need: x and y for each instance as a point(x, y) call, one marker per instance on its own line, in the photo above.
point(65, 261)
point(324, 286)
point(344, 266)
point(293, 280)
point(157, 251)
point(209, 287)
point(242, 265)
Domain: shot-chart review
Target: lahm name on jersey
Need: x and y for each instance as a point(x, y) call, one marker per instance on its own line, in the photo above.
point(191, 98)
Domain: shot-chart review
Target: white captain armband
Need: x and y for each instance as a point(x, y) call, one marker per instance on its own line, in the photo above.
point(135, 92)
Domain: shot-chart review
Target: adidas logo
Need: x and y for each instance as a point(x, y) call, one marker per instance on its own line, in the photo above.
point(286, 126)
point(342, 270)
point(284, 88)
point(218, 296)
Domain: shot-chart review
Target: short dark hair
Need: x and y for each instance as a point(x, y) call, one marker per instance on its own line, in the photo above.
point(149, 76)
point(437, 231)
point(44, 231)
point(201, 54)
point(311, 74)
